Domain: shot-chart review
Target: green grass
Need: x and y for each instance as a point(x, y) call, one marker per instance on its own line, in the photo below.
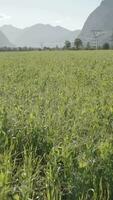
point(56, 125)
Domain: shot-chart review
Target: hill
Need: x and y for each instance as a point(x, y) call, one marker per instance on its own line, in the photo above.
point(11, 32)
point(4, 42)
point(45, 35)
point(99, 23)
point(39, 35)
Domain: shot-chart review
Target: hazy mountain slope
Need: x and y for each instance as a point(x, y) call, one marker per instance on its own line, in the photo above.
point(45, 35)
point(101, 20)
point(4, 42)
point(39, 35)
point(11, 32)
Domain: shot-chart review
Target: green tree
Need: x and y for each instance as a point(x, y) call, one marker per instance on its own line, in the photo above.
point(78, 43)
point(88, 46)
point(111, 39)
point(106, 46)
point(67, 44)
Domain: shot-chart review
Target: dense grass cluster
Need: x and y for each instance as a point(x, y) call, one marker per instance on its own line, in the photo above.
point(56, 125)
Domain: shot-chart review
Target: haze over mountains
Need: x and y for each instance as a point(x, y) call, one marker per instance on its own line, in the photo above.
point(38, 35)
point(11, 32)
point(99, 22)
point(4, 41)
point(99, 25)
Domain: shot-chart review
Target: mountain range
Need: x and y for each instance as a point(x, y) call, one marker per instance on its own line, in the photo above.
point(4, 41)
point(38, 35)
point(99, 25)
point(98, 28)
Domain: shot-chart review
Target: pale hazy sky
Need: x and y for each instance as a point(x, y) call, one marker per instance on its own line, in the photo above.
point(67, 13)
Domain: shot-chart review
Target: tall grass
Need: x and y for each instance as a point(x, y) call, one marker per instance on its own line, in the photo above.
point(56, 125)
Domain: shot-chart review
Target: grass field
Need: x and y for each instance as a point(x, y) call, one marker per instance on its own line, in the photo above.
point(56, 125)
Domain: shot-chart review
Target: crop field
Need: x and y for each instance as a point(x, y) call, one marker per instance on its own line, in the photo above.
point(56, 125)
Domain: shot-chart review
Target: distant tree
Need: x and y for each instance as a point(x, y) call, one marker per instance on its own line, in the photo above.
point(106, 46)
point(111, 39)
point(67, 44)
point(57, 47)
point(88, 46)
point(78, 43)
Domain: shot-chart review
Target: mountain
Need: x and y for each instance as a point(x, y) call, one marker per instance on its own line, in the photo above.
point(11, 32)
point(4, 42)
point(99, 25)
point(39, 35)
point(45, 35)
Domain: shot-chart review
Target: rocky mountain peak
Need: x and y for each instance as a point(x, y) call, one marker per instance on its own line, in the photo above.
point(100, 20)
point(107, 2)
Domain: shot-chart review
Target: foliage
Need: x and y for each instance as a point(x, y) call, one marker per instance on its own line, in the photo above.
point(67, 44)
point(78, 43)
point(88, 46)
point(56, 125)
point(106, 46)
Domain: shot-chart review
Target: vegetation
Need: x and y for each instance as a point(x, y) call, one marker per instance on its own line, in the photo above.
point(67, 44)
point(56, 125)
point(78, 43)
point(106, 46)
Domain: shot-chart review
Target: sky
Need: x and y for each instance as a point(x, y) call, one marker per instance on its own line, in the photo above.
point(70, 14)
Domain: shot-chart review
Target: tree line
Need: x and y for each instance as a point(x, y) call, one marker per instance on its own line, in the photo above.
point(76, 45)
